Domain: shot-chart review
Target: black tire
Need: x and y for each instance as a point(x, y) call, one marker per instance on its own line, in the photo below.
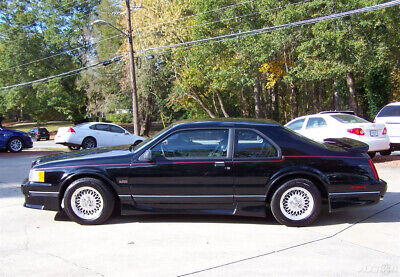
point(386, 152)
point(15, 145)
point(371, 154)
point(74, 147)
point(89, 142)
point(96, 193)
point(47, 138)
point(308, 196)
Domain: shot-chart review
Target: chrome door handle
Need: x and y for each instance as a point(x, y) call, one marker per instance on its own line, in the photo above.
point(218, 164)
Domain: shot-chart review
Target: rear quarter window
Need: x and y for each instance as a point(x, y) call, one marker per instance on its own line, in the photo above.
point(389, 111)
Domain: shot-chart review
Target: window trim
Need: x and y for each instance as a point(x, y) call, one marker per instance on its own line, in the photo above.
point(279, 154)
point(228, 156)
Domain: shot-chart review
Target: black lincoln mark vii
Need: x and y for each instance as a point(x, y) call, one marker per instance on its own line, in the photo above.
point(213, 167)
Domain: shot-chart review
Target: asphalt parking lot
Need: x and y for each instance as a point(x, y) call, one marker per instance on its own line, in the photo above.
point(357, 242)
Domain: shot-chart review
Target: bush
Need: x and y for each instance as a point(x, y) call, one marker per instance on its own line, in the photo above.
point(119, 118)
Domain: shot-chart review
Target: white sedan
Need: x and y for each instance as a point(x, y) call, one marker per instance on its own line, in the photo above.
point(342, 125)
point(95, 134)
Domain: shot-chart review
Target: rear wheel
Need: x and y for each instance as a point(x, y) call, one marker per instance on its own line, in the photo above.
point(88, 143)
point(88, 201)
point(371, 154)
point(386, 152)
point(296, 203)
point(74, 147)
point(15, 145)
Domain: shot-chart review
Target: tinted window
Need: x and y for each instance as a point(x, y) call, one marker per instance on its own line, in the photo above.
point(389, 111)
point(194, 144)
point(116, 129)
point(347, 118)
point(316, 122)
point(249, 144)
point(296, 125)
point(102, 127)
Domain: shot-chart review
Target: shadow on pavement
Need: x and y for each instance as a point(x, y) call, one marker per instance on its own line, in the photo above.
point(373, 214)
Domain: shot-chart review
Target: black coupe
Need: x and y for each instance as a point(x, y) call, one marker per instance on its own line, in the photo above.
point(213, 167)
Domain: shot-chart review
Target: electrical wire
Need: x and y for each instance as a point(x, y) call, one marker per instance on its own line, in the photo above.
point(282, 26)
point(64, 74)
point(61, 53)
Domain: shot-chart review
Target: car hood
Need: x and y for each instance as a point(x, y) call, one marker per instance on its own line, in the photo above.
point(15, 132)
point(96, 155)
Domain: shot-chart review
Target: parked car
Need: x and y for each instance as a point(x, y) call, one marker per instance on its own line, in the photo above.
point(390, 116)
point(95, 134)
point(218, 167)
point(13, 140)
point(38, 133)
point(342, 125)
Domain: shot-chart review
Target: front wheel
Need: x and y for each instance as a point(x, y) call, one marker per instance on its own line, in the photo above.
point(88, 201)
point(296, 203)
point(15, 145)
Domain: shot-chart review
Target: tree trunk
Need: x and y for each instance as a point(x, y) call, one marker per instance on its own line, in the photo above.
point(257, 102)
point(293, 100)
point(221, 103)
point(275, 103)
point(352, 93)
point(243, 104)
point(202, 104)
point(335, 97)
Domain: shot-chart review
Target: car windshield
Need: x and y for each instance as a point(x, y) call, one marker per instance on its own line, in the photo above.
point(146, 142)
point(389, 111)
point(348, 118)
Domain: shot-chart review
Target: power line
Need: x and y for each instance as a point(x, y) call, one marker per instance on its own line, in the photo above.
point(66, 74)
point(234, 17)
point(279, 27)
point(61, 53)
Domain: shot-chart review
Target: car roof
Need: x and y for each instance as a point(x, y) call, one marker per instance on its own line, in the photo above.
point(394, 104)
point(224, 122)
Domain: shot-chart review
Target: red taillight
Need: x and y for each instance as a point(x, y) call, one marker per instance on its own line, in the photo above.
point(70, 130)
point(371, 164)
point(37, 133)
point(356, 131)
point(384, 131)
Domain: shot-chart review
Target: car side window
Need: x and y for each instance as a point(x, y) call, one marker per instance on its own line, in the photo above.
point(250, 144)
point(116, 129)
point(102, 127)
point(296, 125)
point(316, 122)
point(193, 144)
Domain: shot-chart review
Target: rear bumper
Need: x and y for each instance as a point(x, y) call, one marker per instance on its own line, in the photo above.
point(343, 200)
point(379, 144)
point(39, 196)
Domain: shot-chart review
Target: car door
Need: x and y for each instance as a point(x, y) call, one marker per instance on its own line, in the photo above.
point(316, 128)
point(101, 132)
point(120, 136)
point(190, 169)
point(2, 139)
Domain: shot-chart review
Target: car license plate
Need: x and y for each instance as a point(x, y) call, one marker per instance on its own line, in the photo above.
point(373, 133)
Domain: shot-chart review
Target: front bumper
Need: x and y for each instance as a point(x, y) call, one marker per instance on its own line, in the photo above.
point(39, 196)
point(343, 200)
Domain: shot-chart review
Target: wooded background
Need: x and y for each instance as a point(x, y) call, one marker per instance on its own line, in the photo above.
point(351, 63)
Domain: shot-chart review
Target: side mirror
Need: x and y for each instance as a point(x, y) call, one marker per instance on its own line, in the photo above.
point(146, 156)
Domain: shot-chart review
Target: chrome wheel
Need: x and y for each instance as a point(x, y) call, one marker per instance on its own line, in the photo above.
point(87, 203)
point(296, 203)
point(15, 145)
point(89, 143)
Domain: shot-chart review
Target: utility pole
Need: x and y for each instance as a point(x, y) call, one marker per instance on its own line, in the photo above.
point(132, 74)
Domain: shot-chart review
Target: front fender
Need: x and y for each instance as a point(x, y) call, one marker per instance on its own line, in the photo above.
point(86, 172)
